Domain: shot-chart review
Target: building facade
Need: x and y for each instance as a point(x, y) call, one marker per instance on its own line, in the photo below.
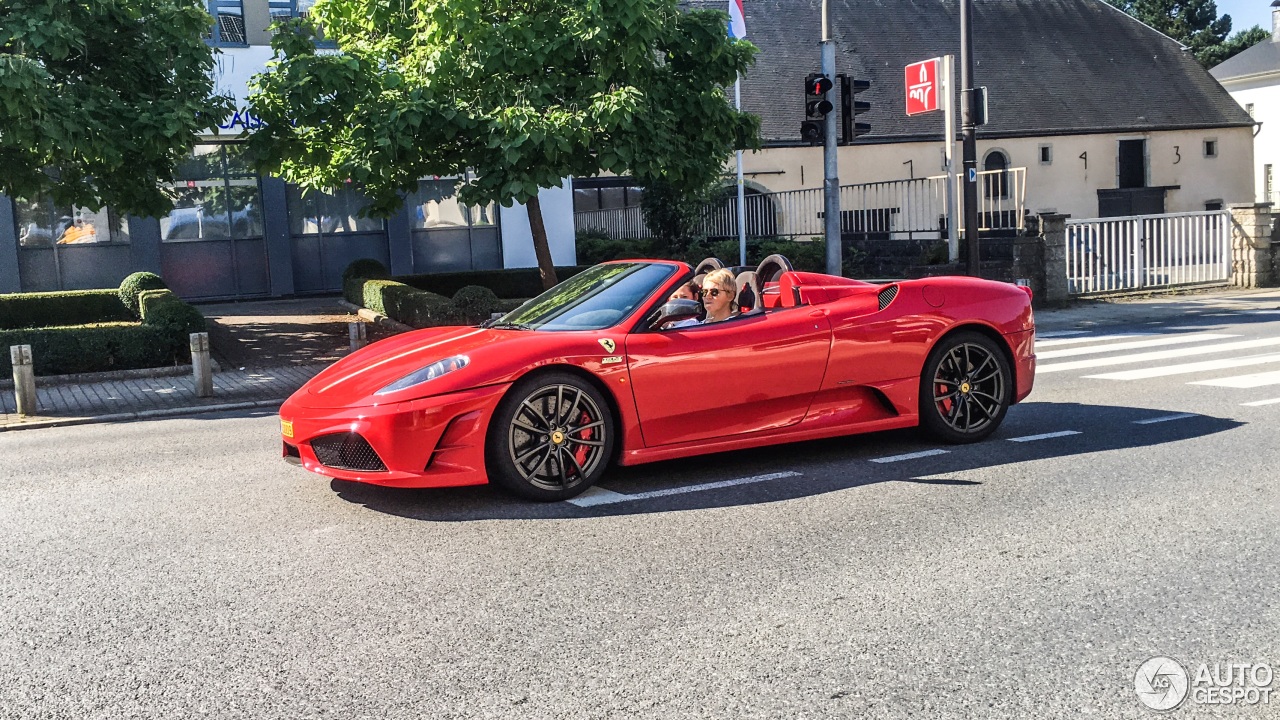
point(1108, 116)
point(1253, 79)
point(236, 234)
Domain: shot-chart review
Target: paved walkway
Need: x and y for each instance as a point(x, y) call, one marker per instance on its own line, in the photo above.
point(247, 387)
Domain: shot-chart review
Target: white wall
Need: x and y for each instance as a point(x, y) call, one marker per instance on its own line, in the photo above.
point(1065, 185)
point(1264, 93)
point(557, 217)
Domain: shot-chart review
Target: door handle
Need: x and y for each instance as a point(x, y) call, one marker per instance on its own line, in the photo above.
point(818, 313)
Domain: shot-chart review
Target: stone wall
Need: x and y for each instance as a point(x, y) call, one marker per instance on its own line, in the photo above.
point(1253, 246)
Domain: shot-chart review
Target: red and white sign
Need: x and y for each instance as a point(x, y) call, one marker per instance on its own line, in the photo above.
point(922, 86)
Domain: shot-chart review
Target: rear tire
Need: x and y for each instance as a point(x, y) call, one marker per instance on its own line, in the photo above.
point(965, 388)
point(551, 438)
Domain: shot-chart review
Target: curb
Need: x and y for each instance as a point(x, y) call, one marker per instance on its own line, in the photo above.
point(86, 378)
point(141, 415)
point(375, 317)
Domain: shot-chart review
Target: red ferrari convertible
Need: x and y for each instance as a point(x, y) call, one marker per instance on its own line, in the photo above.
point(592, 372)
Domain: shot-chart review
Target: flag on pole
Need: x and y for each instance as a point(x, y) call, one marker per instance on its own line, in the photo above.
point(737, 20)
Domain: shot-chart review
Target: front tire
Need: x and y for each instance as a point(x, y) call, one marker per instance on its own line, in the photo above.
point(551, 438)
point(965, 388)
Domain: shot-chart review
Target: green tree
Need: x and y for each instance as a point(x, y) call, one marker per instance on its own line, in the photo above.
point(522, 92)
point(99, 101)
point(1194, 23)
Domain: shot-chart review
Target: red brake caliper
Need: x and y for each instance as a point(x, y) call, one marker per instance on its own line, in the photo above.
point(589, 434)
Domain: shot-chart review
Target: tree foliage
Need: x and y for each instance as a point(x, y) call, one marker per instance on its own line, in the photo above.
point(522, 92)
point(1194, 23)
point(99, 101)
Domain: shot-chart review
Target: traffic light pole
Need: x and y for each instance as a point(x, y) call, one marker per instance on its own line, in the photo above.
point(969, 130)
point(831, 179)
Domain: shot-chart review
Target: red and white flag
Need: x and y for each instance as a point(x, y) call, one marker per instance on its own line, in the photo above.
point(737, 20)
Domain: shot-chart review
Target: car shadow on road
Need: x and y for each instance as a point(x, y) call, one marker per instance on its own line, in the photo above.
point(812, 468)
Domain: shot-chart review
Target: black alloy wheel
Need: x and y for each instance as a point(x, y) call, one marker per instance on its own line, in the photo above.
point(551, 437)
point(965, 388)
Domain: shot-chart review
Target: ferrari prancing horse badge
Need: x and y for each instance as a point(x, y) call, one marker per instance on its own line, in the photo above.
point(608, 345)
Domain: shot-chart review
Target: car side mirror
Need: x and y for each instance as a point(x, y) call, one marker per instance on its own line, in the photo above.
point(675, 311)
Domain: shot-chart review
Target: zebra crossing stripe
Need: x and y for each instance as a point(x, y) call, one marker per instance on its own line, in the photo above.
point(1159, 355)
point(1044, 436)
point(1260, 403)
point(1132, 345)
point(1243, 381)
point(1056, 341)
point(1184, 368)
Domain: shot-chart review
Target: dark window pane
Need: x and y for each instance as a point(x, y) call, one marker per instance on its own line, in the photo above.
point(611, 198)
point(586, 200)
point(246, 209)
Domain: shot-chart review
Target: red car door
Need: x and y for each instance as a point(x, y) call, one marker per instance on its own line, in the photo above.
point(738, 376)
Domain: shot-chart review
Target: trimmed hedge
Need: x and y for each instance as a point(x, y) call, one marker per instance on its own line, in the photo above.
point(49, 309)
point(95, 332)
point(90, 348)
point(136, 284)
point(507, 284)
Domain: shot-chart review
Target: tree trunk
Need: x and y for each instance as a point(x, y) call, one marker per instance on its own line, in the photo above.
point(540, 247)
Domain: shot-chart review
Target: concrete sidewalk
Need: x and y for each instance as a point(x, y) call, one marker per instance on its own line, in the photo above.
point(146, 397)
point(140, 398)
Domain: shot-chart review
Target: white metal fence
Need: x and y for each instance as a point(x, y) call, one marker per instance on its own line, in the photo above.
point(898, 209)
point(1148, 251)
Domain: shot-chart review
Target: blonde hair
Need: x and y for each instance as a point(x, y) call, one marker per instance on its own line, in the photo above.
point(724, 280)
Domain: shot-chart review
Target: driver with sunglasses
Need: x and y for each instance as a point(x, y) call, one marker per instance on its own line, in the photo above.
point(719, 296)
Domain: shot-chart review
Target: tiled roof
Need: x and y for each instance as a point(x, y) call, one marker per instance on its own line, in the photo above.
point(1050, 66)
point(1261, 58)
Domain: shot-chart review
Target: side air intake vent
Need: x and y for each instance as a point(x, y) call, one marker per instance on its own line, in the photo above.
point(347, 451)
point(887, 295)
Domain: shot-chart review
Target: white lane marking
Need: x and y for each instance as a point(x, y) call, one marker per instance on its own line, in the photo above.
point(909, 456)
point(1260, 403)
point(1263, 312)
point(1165, 418)
point(1243, 381)
point(1059, 333)
point(1160, 355)
point(609, 497)
point(598, 496)
point(1202, 366)
point(1133, 345)
point(1055, 342)
point(1045, 436)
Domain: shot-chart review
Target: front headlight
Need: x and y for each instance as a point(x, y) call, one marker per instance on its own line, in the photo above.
point(430, 372)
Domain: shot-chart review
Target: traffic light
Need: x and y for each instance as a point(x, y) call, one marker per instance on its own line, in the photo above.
point(816, 108)
point(816, 104)
point(850, 109)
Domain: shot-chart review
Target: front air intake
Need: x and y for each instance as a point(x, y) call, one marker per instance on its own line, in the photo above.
point(347, 451)
point(887, 295)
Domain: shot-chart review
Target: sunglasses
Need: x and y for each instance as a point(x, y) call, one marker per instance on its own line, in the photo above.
point(713, 292)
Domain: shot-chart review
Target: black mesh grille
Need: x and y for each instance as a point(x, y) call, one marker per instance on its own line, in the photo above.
point(347, 451)
point(887, 295)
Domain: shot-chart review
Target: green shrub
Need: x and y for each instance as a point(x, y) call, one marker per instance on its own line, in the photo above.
point(133, 285)
point(510, 283)
point(91, 348)
point(148, 299)
point(594, 248)
point(366, 268)
point(50, 309)
point(475, 303)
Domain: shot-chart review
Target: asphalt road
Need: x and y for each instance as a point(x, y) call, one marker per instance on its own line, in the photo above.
point(178, 569)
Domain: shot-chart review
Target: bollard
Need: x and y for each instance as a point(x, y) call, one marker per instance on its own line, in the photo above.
point(24, 380)
point(201, 368)
point(359, 338)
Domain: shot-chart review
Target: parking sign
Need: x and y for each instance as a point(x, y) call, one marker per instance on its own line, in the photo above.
point(922, 87)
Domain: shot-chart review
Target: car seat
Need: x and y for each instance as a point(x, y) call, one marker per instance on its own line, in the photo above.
point(748, 292)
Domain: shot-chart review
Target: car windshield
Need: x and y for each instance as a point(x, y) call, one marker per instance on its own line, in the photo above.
point(591, 300)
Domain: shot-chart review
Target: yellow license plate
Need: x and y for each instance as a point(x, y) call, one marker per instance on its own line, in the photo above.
point(286, 428)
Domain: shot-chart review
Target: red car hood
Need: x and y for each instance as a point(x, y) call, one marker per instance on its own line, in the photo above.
point(354, 379)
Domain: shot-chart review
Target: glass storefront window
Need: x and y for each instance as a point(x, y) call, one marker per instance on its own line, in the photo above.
point(329, 212)
point(43, 224)
point(435, 205)
point(216, 197)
